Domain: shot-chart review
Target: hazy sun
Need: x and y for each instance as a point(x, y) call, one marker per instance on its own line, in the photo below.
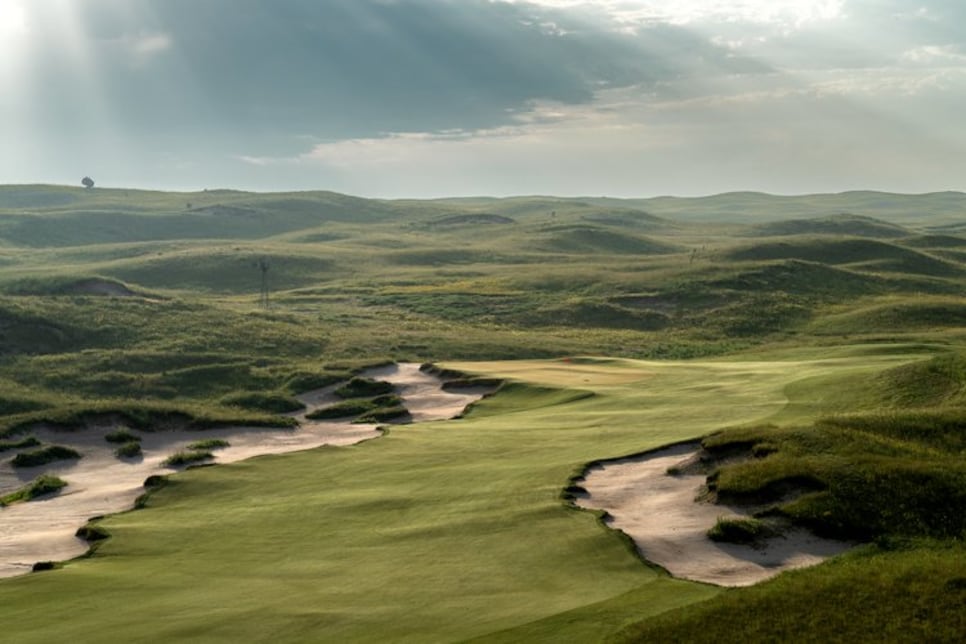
point(13, 38)
point(13, 20)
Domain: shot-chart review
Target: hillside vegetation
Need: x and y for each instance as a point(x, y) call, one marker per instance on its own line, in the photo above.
point(824, 351)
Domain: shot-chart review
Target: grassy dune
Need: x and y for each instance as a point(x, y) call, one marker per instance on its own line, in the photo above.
point(756, 207)
point(910, 595)
point(850, 225)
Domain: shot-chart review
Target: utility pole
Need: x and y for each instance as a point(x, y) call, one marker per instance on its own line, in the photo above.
point(263, 267)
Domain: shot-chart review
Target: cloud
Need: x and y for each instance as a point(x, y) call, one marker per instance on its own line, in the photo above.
point(787, 13)
point(149, 44)
point(942, 55)
point(330, 69)
point(422, 96)
point(777, 134)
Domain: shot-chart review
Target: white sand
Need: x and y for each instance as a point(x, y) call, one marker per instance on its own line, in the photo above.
point(669, 527)
point(99, 483)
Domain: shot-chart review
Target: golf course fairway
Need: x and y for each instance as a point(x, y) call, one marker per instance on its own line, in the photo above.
point(441, 531)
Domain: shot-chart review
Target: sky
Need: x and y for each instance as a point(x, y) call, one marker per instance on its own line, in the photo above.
point(437, 98)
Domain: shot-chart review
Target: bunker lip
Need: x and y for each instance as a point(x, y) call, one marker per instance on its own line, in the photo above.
point(659, 513)
point(99, 483)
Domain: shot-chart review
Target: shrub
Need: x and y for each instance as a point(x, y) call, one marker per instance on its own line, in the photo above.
point(387, 400)
point(740, 530)
point(363, 388)
point(41, 566)
point(302, 382)
point(471, 383)
point(180, 459)
point(151, 484)
point(275, 403)
point(92, 533)
point(383, 414)
point(155, 481)
point(45, 484)
point(44, 456)
point(122, 435)
point(30, 441)
point(356, 406)
point(129, 450)
point(209, 443)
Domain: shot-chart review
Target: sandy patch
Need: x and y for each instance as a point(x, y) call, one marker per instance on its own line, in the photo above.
point(659, 512)
point(99, 483)
point(101, 287)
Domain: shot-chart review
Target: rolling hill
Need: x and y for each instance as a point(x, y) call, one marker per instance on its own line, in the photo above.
point(771, 324)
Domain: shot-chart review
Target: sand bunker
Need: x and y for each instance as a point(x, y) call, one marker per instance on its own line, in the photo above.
point(101, 287)
point(99, 483)
point(659, 512)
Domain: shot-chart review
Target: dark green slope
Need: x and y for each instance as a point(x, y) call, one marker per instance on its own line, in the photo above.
point(936, 208)
point(582, 238)
point(71, 217)
point(850, 225)
point(866, 254)
point(934, 241)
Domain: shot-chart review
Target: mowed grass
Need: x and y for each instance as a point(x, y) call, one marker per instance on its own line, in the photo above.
point(437, 532)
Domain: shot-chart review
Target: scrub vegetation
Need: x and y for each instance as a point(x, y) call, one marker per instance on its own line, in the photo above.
point(363, 388)
point(819, 356)
point(40, 486)
point(272, 402)
point(359, 407)
point(131, 449)
point(740, 530)
point(188, 457)
point(30, 441)
point(209, 443)
point(122, 435)
point(44, 455)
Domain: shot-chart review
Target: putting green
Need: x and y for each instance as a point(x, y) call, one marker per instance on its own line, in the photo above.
point(437, 532)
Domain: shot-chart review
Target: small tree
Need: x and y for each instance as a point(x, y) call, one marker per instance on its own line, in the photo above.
point(87, 182)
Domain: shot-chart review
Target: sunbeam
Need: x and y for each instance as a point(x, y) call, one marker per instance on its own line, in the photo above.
point(13, 20)
point(13, 38)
